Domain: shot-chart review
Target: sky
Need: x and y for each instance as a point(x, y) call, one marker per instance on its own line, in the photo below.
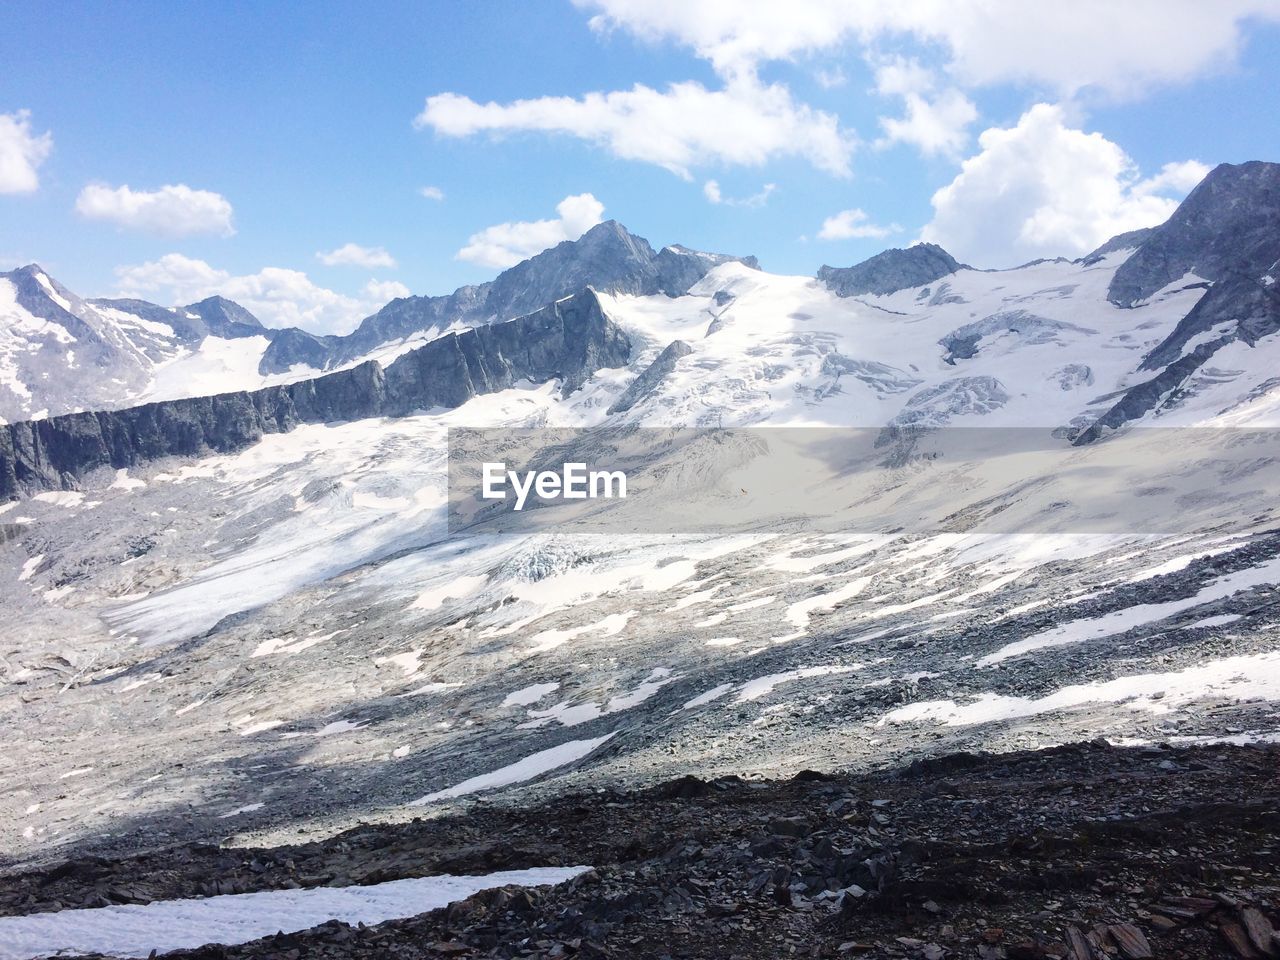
point(313, 161)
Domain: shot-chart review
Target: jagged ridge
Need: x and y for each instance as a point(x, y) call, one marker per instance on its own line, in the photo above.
point(567, 340)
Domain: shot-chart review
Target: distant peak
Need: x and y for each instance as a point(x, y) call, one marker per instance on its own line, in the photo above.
point(891, 270)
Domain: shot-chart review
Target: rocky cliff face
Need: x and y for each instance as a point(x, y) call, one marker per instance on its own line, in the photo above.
point(891, 271)
point(1227, 226)
point(607, 257)
point(568, 340)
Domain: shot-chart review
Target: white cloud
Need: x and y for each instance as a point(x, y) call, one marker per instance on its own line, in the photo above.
point(174, 210)
point(354, 255)
point(936, 122)
point(276, 296)
point(711, 190)
point(384, 291)
point(851, 224)
point(747, 123)
point(1175, 177)
point(1044, 189)
point(936, 126)
point(1121, 48)
point(432, 193)
point(21, 152)
point(506, 244)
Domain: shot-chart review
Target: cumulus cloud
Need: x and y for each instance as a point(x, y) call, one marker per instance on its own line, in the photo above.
point(1121, 48)
point(384, 291)
point(21, 152)
point(354, 255)
point(173, 210)
point(432, 193)
point(853, 224)
point(935, 121)
point(684, 126)
point(1042, 188)
point(277, 296)
point(506, 244)
point(711, 190)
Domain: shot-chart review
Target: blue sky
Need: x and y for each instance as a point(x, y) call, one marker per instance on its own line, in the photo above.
point(828, 128)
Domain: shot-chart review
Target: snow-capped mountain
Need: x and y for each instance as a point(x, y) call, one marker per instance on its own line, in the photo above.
point(607, 257)
point(268, 583)
point(60, 353)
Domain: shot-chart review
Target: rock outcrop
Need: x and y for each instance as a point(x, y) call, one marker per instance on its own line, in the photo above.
point(650, 379)
point(891, 271)
point(568, 340)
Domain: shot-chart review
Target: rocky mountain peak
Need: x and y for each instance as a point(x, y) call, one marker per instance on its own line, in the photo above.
point(1229, 225)
point(226, 318)
point(608, 258)
point(890, 271)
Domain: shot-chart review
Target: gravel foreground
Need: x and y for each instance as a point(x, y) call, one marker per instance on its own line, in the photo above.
point(1086, 851)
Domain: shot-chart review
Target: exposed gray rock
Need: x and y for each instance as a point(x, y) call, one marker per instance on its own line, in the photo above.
point(293, 346)
point(891, 271)
point(962, 343)
point(651, 377)
point(1241, 309)
point(880, 376)
point(1227, 226)
point(213, 316)
point(1121, 241)
point(607, 257)
point(935, 406)
point(567, 340)
point(226, 318)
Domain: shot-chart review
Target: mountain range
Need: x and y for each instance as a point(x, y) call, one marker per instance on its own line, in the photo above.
point(235, 606)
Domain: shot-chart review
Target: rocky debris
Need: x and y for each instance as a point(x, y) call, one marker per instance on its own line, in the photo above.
point(891, 271)
point(607, 258)
point(1081, 852)
point(568, 340)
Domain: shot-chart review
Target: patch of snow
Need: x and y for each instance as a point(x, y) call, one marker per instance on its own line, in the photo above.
point(434, 686)
point(763, 686)
point(138, 930)
point(608, 627)
point(29, 567)
point(124, 482)
point(1218, 621)
point(453, 590)
point(532, 766)
point(61, 498)
point(1242, 678)
point(285, 646)
point(248, 808)
point(1119, 621)
point(529, 695)
point(702, 699)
